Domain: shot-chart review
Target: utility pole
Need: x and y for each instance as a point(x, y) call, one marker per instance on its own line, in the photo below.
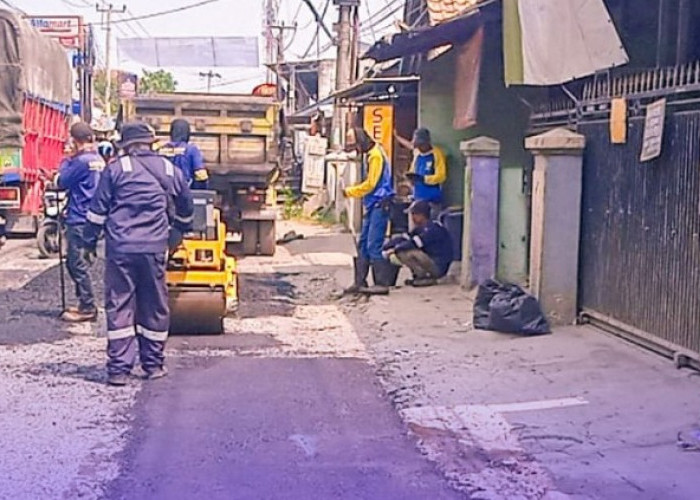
point(345, 72)
point(209, 76)
point(107, 10)
point(279, 56)
point(270, 11)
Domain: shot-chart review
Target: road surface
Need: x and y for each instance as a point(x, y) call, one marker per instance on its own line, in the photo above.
point(286, 405)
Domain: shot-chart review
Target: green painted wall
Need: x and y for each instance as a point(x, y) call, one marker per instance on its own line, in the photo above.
point(502, 116)
point(436, 111)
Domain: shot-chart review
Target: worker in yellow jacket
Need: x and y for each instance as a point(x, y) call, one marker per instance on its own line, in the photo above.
point(428, 170)
point(377, 192)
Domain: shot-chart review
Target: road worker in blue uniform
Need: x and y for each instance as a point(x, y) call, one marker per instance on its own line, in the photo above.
point(428, 171)
point(426, 250)
point(144, 205)
point(79, 174)
point(377, 193)
point(187, 157)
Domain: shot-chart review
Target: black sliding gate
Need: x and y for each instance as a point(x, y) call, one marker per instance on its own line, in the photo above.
point(640, 233)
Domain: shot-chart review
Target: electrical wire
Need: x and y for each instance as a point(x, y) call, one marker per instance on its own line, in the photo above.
point(13, 7)
point(316, 38)
point(139, 24)
point(229, 82)
point(369, 16)
point(163, 12)
point(377, 22)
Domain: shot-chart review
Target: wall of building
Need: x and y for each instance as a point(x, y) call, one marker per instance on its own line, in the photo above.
point(436, 112)
point(501, 116)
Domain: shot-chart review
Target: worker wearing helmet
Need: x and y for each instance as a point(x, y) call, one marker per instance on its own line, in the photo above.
point(377, 192)
point(106, 150)
point(144, 205)
point(79, 174)
point(187, 157)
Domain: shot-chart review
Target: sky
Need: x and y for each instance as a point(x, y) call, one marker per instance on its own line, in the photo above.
point(220, 18)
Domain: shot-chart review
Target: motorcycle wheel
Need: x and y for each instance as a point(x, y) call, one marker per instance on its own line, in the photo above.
point(47, 239)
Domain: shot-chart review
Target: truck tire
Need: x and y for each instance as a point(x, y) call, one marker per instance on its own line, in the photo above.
point(267, 237)
point(249, 232)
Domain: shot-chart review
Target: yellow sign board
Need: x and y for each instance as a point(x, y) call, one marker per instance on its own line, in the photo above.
point(379, 124)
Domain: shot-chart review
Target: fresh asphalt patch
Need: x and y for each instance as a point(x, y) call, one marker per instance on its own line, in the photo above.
point(284, 406)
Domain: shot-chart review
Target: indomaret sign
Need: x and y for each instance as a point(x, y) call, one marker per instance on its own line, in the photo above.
point(66, 30)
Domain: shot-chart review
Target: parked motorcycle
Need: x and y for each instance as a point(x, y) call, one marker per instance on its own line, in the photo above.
point(52, 229)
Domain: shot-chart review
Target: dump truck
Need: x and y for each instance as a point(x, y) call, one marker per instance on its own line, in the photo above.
point(35, 106)
point(237, 135)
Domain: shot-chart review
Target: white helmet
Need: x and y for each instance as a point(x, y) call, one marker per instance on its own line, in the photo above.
point(105, 149)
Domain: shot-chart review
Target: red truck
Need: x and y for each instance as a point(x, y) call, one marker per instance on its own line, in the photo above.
point(35, 106)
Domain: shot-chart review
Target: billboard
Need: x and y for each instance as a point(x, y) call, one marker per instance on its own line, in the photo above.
point(128, 85)
point(66, 30)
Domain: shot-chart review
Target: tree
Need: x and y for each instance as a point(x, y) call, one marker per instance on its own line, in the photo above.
point(159, 81)
point(100, 82)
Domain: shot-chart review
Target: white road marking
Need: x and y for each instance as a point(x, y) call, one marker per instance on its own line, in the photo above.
point(545, 404)
point(313, 331)
point(484, 429)
point(284, 259)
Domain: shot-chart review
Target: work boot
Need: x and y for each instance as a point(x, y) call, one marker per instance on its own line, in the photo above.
point(117, 379)
point(157, 373)
point(76, 315)
point(382, 273)
point(361, 266)
point(423, 282)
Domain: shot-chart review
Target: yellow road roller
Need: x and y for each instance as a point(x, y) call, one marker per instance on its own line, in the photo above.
point(202, 279)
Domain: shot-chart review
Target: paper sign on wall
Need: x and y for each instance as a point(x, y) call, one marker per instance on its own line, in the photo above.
point(379, 124)
point(654, 130)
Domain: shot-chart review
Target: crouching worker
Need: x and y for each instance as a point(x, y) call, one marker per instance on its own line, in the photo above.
point(141, 201)
point(426, 250)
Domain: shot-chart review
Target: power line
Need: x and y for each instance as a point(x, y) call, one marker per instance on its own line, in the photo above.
point(369, 16)
point(319, 19)
point(13, 7)
point(377, 22)
point(163, 12)
point(316, 38)
point(139, 24)
point(229, 82)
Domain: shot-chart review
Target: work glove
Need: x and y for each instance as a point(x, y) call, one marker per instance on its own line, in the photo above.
point(90, 255)
point(175, 238)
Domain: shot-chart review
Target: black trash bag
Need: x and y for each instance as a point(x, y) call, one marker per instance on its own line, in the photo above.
point(513, 310)
point(482, 303)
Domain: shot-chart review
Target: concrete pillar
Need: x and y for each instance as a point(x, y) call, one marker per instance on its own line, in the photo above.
point(556, 222)
point(481, 193)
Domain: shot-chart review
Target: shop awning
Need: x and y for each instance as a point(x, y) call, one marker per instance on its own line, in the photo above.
point(455, 31)
point(378, 88)
point(365, 90)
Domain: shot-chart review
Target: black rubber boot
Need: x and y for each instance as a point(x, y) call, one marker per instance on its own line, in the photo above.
point(361, 266)
point(382, 272)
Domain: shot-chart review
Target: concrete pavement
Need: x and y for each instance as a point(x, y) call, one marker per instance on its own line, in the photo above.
point(577, 414)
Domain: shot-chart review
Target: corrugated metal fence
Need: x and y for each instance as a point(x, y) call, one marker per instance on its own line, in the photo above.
point(640, 237)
